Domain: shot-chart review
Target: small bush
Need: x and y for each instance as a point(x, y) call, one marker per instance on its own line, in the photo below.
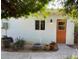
point(19, 44)
point(72, 57)
point(76, 34)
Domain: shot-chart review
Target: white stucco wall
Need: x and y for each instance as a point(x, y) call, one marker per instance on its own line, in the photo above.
point(70, 33)
point(26, 30)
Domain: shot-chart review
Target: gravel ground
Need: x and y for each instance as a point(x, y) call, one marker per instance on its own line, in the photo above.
point(63, 52)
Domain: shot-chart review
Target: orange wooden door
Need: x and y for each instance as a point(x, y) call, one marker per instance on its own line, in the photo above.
point(61, 31)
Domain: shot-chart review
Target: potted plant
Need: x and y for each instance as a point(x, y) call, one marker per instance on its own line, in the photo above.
point(53, 46)
point(6, 42)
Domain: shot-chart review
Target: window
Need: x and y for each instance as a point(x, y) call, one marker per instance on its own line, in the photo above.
point(37, 25)
point(40, 25)
point(61, 25)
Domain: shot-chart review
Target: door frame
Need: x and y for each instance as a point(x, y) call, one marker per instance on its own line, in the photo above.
point(62, 40)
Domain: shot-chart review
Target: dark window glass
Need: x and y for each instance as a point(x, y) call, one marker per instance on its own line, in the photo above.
point(37, 24)
point(61, 27)
point(42, 25)
point(61, 23)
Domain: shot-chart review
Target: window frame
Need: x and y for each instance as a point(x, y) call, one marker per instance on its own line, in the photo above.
point(40, 25)
point(61, 26)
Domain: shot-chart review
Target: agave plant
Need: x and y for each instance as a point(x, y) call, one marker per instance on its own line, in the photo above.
point(19, 44)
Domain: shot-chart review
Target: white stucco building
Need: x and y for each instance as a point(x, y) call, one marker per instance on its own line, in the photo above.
point(53, 28)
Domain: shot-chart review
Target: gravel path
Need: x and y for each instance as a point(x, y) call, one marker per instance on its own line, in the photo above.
point(63, 52)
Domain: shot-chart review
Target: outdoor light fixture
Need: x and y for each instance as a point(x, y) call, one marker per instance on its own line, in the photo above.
point(51, 20)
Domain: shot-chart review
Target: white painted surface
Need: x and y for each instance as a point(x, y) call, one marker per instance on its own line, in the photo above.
point(70, 33)
point(26, 29)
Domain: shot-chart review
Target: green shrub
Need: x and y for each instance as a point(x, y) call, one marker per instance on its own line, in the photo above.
point(72, 57)
point(19, 44)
